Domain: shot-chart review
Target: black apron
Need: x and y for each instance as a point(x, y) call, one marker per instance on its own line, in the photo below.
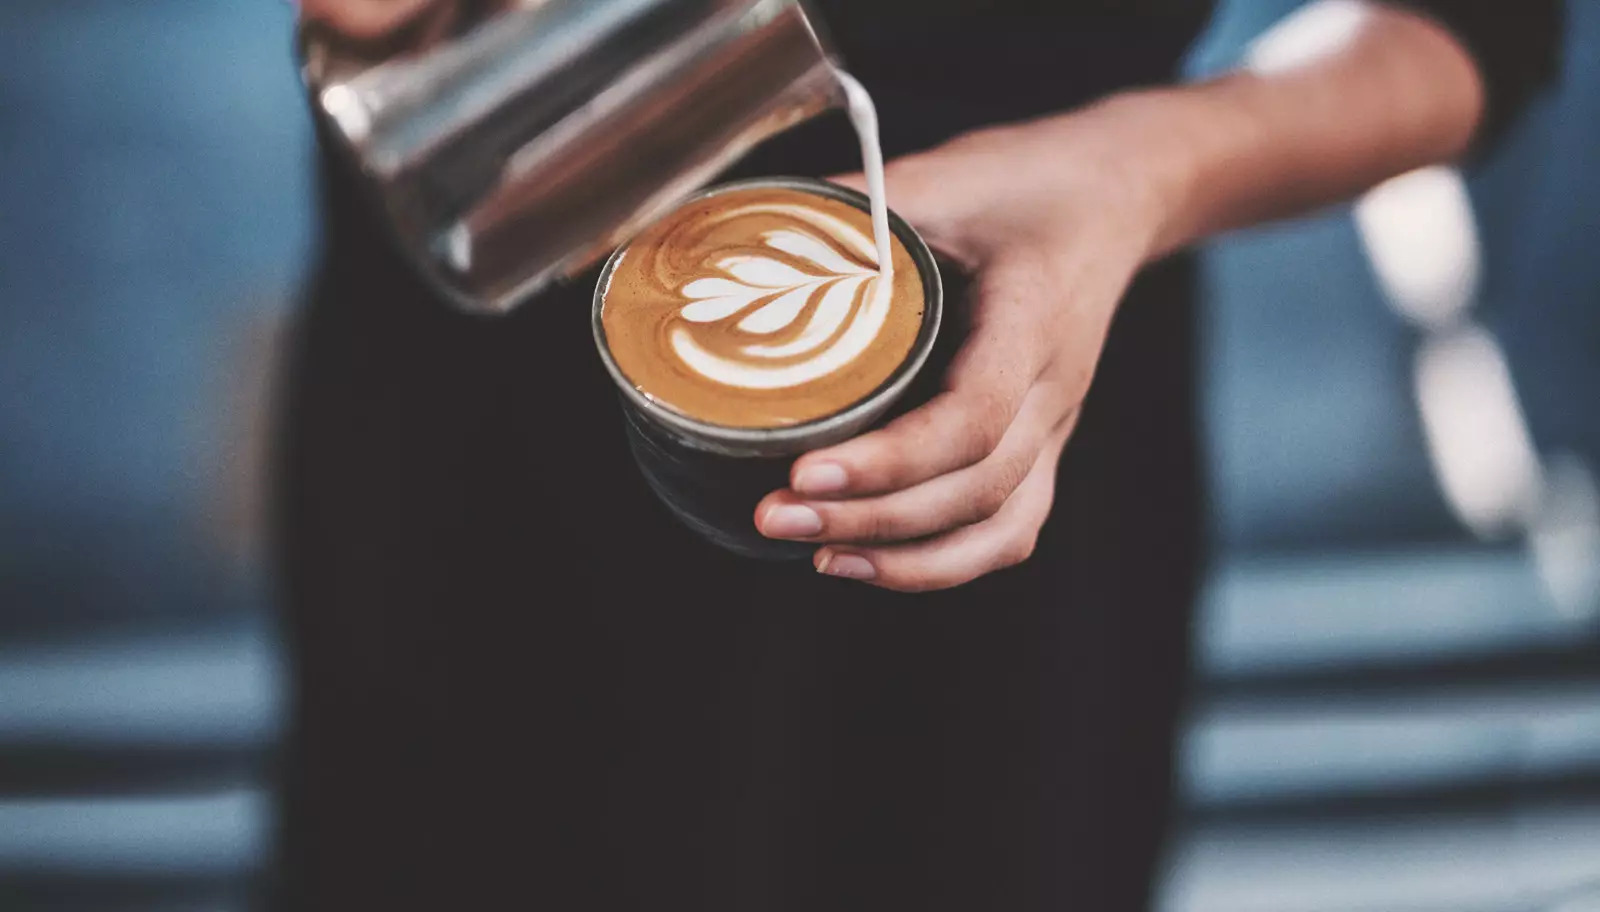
point(519, 681)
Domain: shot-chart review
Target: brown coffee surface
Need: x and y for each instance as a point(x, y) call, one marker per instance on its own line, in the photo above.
point(760, 308)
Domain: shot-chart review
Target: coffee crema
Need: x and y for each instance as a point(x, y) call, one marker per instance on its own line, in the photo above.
point(759, 308)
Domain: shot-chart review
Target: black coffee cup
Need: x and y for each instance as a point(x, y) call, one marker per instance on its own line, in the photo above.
point(712, 476)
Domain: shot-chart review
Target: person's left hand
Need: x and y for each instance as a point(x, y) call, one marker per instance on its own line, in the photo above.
point(368, 20)
point(396, 26)
point(1053, 219)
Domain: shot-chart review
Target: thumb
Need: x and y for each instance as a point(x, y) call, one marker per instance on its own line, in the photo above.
point(855, 180)
point(925, 192)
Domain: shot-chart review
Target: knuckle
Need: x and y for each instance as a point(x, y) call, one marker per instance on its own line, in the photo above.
point(907, 574)
point(922, 443)
point(927, 428)
point(864, 523)
point(1001, 479)
point(878, 525)
point(1020, 549)
point(992, 496)
point(1011, 471)
point(985, 416)
point(881, 462)
point(915, 583)
point(896, 579)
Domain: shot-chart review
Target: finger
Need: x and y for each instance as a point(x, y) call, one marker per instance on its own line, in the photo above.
point(1001, 359)
point(946, 502)
point(958, 557)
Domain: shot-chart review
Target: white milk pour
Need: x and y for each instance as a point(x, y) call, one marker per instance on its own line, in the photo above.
point(864, 117)
point(836, 334)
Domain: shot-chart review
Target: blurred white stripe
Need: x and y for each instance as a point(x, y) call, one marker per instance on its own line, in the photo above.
point(217, 833)
point(1476, 433)
point(1422, 241)
point(1565, 536)
point(1343, 611)
point(1326, 745)
point(1311, 33)
point(1509, 861)
point(147, 691)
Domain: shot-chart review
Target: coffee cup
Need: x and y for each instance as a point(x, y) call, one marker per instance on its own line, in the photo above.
point(752, 325)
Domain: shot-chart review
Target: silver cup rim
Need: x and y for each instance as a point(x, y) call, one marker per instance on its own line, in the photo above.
point(809, 434)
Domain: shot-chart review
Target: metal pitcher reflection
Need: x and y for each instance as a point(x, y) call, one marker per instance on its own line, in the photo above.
point(533, 137)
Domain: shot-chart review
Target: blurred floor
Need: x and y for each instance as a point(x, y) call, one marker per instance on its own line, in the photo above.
point(1393, 716)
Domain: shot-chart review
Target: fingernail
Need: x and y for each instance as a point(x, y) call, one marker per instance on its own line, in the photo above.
point(791, 521)
point(848, 566)
point(820, 478)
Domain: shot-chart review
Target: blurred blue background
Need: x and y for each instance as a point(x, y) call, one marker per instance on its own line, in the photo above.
point(1391, 714)
point(154, 223)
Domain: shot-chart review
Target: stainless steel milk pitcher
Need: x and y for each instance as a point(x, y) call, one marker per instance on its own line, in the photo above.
point(527, 144)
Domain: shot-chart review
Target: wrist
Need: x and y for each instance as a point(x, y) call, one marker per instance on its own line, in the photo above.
point(1157, 162)
point(1122, 161)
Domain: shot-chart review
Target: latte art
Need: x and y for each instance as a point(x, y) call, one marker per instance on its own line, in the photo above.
point(761, 307)
point(808, 272)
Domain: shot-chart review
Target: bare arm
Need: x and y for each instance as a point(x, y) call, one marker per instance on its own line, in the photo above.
point(1402, 94)
point(1054, 217)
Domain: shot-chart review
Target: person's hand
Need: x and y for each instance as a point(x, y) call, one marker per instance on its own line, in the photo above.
point(1053, 219)
point(366, 32)
point(368, 20)
point(397, 25)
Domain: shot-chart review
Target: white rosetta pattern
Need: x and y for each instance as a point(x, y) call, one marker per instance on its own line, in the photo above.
point(837, 280)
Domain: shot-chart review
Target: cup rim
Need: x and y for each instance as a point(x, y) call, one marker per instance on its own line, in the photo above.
point(737, 440)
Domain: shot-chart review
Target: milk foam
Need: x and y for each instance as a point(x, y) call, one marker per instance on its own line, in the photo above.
point(835, 278)
point(765, 306)
point(831, 278)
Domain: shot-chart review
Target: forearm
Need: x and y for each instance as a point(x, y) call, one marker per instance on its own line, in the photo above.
point(1248, 148)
